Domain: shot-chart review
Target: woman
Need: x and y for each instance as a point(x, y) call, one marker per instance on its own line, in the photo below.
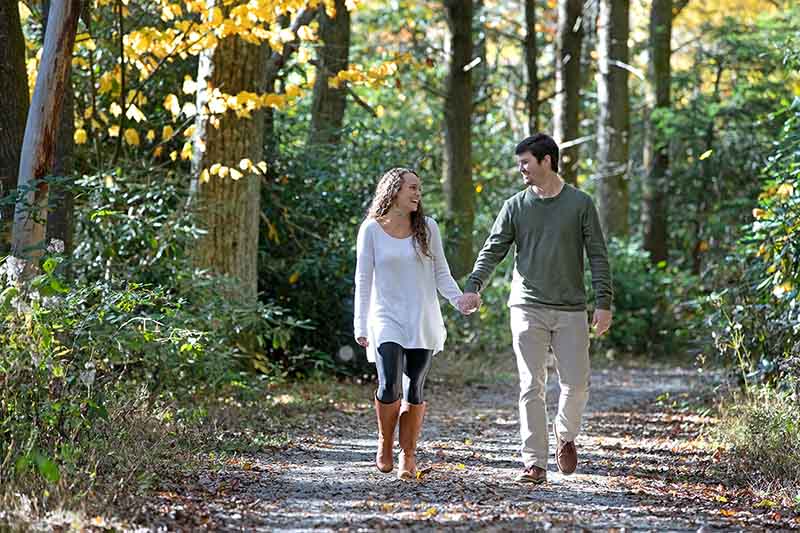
point(400, 266)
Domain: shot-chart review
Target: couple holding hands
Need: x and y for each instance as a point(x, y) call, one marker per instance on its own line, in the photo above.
point(401, 265)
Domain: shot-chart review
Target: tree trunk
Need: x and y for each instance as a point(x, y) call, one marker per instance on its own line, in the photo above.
point(38, 148)
point(13, 109)
point(328, 106)
point(457, 165)
point(566, 108)
point(531, 55)
point(656, 145)
point(60, 218)
point(614, 116)
point(229, 209)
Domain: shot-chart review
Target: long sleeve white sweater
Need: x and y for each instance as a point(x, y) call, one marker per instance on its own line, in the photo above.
point(395, 289)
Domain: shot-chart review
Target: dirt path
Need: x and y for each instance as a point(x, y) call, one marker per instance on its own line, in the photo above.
point(640, 468)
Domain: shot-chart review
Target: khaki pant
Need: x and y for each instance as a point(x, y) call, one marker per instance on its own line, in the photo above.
point(534, 330)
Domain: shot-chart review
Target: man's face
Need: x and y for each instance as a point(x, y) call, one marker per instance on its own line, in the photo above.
point(410, 194)
point(532, 171)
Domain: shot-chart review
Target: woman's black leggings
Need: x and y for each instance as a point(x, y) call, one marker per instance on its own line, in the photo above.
point(395, 362)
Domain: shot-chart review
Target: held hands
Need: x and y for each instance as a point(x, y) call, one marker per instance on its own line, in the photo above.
point(601, 321)
point(468, 303)
point(362, 341)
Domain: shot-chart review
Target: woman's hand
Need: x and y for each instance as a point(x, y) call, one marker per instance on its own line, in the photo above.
point(362, 341)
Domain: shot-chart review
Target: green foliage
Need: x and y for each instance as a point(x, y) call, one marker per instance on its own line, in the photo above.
point(761, 433)
point(654, 305)
point(758, 318)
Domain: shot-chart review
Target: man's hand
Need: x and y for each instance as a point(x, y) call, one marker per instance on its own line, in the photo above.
point(362, 341)
point(601, 321)
point(469, 302)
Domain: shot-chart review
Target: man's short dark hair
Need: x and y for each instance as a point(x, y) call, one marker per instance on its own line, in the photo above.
point(540, 145)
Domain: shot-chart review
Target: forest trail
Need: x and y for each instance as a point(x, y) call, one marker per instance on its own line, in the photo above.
point(641, 467)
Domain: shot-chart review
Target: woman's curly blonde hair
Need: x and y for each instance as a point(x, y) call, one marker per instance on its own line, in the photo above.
point(386, 193)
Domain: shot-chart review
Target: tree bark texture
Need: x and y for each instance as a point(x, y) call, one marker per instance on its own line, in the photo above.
point(566, 107)
point(614, 116)
point(229, 209)
point(38, 147)
point(656, 145)
point(458, 105)
point(61, 212)
point(531, 55)
point(13, 109)
point(328, 105)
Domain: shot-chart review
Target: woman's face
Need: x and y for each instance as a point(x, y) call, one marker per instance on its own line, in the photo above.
point(410, 194)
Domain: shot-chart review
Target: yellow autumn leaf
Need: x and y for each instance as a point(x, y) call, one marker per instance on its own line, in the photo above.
point(151, 135)
point(294, 277)
point(189, 109)
point(306, 33)
point(157, 151)
point(186, 151)
point(759, 213)
point(214, 170)
point(235, 174)
point(478, 188)
point(262, 166)
point(172, 105)
point(189, 86)
point(204, 177)
point(785, 190)
point(431, 512)
point(134, 113)
point(167, 132)
point(80, 136)
point(706, 154)
point(113, 131)
point(132, 137)
point(115, 109)
point(188, 132)
point(173, 155)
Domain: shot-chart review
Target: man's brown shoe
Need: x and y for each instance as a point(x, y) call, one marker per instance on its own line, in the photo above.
point(566, 454)
point(532, 474)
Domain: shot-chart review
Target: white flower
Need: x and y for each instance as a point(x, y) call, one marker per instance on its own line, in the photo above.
point(12, 268)
point(87, 377)
point(56, 246)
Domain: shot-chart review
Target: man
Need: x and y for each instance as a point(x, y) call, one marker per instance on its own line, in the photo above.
point(551, 223)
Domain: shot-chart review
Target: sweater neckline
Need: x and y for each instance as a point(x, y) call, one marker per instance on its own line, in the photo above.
point(392, 236)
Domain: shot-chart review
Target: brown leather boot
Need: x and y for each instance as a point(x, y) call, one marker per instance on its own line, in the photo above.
point(411, 416)
point(387, 420)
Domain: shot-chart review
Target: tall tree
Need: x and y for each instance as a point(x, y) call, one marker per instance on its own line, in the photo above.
point(13, 109)
point(614, 116)
point(566, 107)
point(531, 55)
point(458, 105)
point(60, 216)
point(328, 106)
point(229, 208)
point(38, 148)
point(656, 144)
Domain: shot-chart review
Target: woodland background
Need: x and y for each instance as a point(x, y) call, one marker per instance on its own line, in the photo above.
point(182, 229)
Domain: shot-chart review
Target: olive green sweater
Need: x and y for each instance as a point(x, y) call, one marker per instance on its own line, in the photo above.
point(550, 235)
